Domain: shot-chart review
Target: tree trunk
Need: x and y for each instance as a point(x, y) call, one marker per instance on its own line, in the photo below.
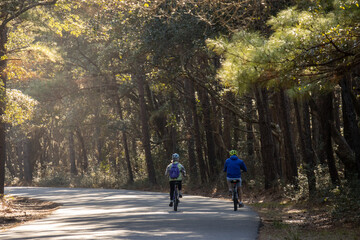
point(10, 167)
point(315, 127)
point(54, 152)
point(190, 133)
point(227, 122)
point(20, 157)
point(197, 135)
point(250, 138)
point(351, 128)
point(173, 132)
point(268, 149)
point(337, 103)
point(221, 151)
point(210, 142)
point(326, 116)
point(290, 158)
point(98, 140)
point(306, 145)
point(73, 169)
point(27, 164)
point(345, 153)
point(134, 154)
point(85, 160)
point(3, 79)
point(125, 144)
point(145, 130)
point(235, 143)
point(42, 159)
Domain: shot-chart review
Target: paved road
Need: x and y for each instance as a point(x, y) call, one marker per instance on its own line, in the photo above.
point(122, 214)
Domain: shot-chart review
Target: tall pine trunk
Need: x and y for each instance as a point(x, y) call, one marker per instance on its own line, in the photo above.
point(145, 129)
point(3, 79)
point(315, 131)
point(10, 167)
point(210, 141)
point(97, 135)
point(85, 160)
point(227, 122)
point(27, 161)
point(189, 132)
point(290, 158)
point(250, 138)
point(198, 143)
point(306, 144)
point(73, 169)
point(125, 143)
point(236, 125)
point(268, 148)
point(326, 116)
point(351, 127)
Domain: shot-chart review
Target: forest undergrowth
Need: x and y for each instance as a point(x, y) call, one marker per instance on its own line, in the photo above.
point(15, 210)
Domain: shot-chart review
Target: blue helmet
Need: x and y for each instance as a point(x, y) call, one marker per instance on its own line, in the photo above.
point(175, 156)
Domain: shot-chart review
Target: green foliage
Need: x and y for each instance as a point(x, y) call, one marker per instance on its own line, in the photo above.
point(20, 37)
point(299, 55)
point(244, 59)
point(95, 178)
point(19, 108)
point(54, 20)
point(54, 179)
point(347, 203)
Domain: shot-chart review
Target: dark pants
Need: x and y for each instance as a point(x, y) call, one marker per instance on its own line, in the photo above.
point(172, 187)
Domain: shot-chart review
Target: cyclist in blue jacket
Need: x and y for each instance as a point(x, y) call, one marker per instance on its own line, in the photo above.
point(233, 167)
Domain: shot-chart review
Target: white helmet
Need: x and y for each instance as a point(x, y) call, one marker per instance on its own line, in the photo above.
point(175, 156)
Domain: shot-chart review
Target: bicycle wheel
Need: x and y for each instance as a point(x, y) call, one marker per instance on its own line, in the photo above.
point(235, 199)
point(235, 204)
point(176, 199)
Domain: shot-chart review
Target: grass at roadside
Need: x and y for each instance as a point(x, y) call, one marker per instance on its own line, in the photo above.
point(294, 220)
point(18, 210)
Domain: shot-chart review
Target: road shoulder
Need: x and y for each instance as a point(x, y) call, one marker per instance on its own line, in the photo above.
point(17, 210)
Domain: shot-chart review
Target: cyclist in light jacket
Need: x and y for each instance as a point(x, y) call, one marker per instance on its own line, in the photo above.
point(233, 167)
point(172, 181)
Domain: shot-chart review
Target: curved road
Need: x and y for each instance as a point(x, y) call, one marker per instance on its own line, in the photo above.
point(123, 214)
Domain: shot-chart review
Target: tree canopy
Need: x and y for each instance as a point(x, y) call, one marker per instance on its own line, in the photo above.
point(101, 93)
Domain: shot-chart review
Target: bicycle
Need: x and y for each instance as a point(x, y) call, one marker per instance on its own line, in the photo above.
point(176, 195)
point(235, 196)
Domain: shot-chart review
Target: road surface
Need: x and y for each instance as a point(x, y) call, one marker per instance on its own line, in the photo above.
point(123, 214)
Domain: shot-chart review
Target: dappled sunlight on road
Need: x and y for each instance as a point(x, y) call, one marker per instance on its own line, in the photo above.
point(121, 214)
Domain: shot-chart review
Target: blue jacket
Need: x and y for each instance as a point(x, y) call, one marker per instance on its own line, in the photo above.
point(233, 167)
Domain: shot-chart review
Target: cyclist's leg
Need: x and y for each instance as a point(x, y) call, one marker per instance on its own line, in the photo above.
point(229, 185)
point(240, 192)
point(180, 187)
point(172, 187)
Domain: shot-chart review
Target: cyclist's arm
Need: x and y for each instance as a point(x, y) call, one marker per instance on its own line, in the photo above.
point(183, 170)
point(243, 167)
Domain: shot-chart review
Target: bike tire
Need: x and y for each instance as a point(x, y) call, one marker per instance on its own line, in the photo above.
point(235, 205)
point(175, 205)
point(235, 199)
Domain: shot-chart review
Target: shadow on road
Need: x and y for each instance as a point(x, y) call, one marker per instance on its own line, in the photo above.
point(121, 214)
